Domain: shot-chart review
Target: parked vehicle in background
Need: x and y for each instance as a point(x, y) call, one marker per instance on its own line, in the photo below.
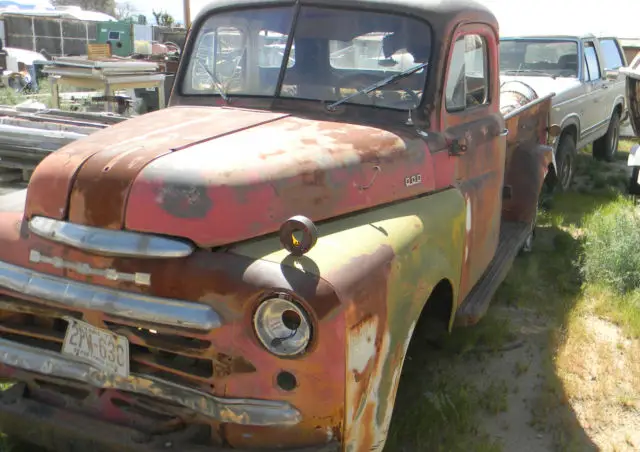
point(632, 74)
point(245, 269)
point(589, 103)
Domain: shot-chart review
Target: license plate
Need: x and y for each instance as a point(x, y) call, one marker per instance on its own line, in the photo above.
point(106, 350)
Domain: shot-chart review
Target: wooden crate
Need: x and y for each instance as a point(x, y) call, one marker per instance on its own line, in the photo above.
point(98, 51)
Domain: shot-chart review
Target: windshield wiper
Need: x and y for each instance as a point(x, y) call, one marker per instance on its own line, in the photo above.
point(376, 85)
point(216, 82)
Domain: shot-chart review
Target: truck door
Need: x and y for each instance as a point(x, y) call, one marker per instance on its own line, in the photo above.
point(472, 124)
point(597, 111)
point(612, 59)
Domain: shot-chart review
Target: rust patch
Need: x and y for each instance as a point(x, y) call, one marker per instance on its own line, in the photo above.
point(319, 169)
point(185, 201)
point(159, 132)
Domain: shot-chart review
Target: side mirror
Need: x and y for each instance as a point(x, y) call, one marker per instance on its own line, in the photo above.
point(611, 75)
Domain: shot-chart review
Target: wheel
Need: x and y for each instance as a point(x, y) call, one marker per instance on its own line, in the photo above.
point(606, 147)
point(565, 160)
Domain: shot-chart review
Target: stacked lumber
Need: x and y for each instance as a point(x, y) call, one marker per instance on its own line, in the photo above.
point(28, 135)
point(83, 67)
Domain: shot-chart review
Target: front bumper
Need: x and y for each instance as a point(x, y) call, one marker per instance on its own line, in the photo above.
point(237, 411)
point(64, 431)
point(190, 364)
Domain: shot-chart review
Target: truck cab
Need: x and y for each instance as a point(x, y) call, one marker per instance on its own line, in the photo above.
point(246, 268)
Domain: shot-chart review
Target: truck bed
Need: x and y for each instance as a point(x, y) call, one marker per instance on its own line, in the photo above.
point(527, 125)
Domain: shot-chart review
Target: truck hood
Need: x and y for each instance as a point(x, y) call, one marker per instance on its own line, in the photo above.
point(545, 85)
point(221, 175)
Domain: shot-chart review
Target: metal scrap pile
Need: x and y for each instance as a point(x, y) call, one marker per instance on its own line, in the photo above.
point(28, 135)
point(82, 71)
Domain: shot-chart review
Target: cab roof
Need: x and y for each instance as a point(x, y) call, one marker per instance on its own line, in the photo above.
point(435, 11)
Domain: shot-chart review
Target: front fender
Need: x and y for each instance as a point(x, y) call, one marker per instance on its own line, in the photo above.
point(383, 264)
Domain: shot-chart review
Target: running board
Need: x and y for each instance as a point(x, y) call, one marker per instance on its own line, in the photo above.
point(512, 237)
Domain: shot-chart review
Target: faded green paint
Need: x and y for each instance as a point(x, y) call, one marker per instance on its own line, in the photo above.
point(426, 258)
point(430, 222)
point(426, 238)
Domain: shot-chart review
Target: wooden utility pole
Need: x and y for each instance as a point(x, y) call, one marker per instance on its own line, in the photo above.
point(187, 13)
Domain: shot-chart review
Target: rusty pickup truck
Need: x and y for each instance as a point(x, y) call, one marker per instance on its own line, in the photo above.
point(245, 269)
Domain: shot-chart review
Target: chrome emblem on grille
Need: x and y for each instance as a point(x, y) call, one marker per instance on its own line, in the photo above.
point(142, 279)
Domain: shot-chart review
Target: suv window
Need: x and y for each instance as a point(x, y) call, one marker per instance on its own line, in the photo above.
point(591, 58)
point(541, 57)
point(611, 54)
point(467, 81)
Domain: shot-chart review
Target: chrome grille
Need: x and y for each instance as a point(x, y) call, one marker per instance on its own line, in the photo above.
point(177, 358)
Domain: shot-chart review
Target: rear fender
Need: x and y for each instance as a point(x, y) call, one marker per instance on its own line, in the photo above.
point(528, 161)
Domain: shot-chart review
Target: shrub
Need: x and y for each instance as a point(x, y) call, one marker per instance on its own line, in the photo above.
point(612, 246)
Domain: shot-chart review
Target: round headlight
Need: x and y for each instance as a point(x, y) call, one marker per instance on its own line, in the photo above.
point(282, 327)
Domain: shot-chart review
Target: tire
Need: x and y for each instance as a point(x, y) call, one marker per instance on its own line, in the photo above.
point(606, 147)
point(565, 160)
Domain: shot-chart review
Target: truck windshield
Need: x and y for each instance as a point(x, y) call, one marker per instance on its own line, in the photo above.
point(544, 57)
point(332, 53)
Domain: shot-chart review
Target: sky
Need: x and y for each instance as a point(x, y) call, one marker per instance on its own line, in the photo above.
point(612, 17)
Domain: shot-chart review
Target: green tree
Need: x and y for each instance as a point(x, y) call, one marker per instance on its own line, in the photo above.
point(163, 18)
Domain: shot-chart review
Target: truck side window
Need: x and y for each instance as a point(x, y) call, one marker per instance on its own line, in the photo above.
point(611, 53)
point(467, 82)
point(591, 59)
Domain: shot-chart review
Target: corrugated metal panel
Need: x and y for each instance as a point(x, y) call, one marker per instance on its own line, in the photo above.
point(142, 32)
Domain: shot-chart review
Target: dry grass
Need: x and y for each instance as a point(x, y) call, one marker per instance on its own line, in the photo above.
point(596, 347)
point(601, 374)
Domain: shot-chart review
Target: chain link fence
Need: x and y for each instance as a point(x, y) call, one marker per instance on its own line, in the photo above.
point(54, 35)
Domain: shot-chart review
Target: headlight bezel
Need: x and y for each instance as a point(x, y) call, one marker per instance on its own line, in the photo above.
point(274, 333)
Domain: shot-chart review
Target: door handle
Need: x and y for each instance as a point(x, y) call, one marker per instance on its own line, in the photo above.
point(504, 133)
point(456, 146)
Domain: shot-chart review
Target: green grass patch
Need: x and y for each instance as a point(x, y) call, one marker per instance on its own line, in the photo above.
point(439, 411)
point(612, 246)
point(625, 146)
point(622, 309)
point(438, 407)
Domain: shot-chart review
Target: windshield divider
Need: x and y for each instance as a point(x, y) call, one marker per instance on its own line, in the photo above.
point(287, 51)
